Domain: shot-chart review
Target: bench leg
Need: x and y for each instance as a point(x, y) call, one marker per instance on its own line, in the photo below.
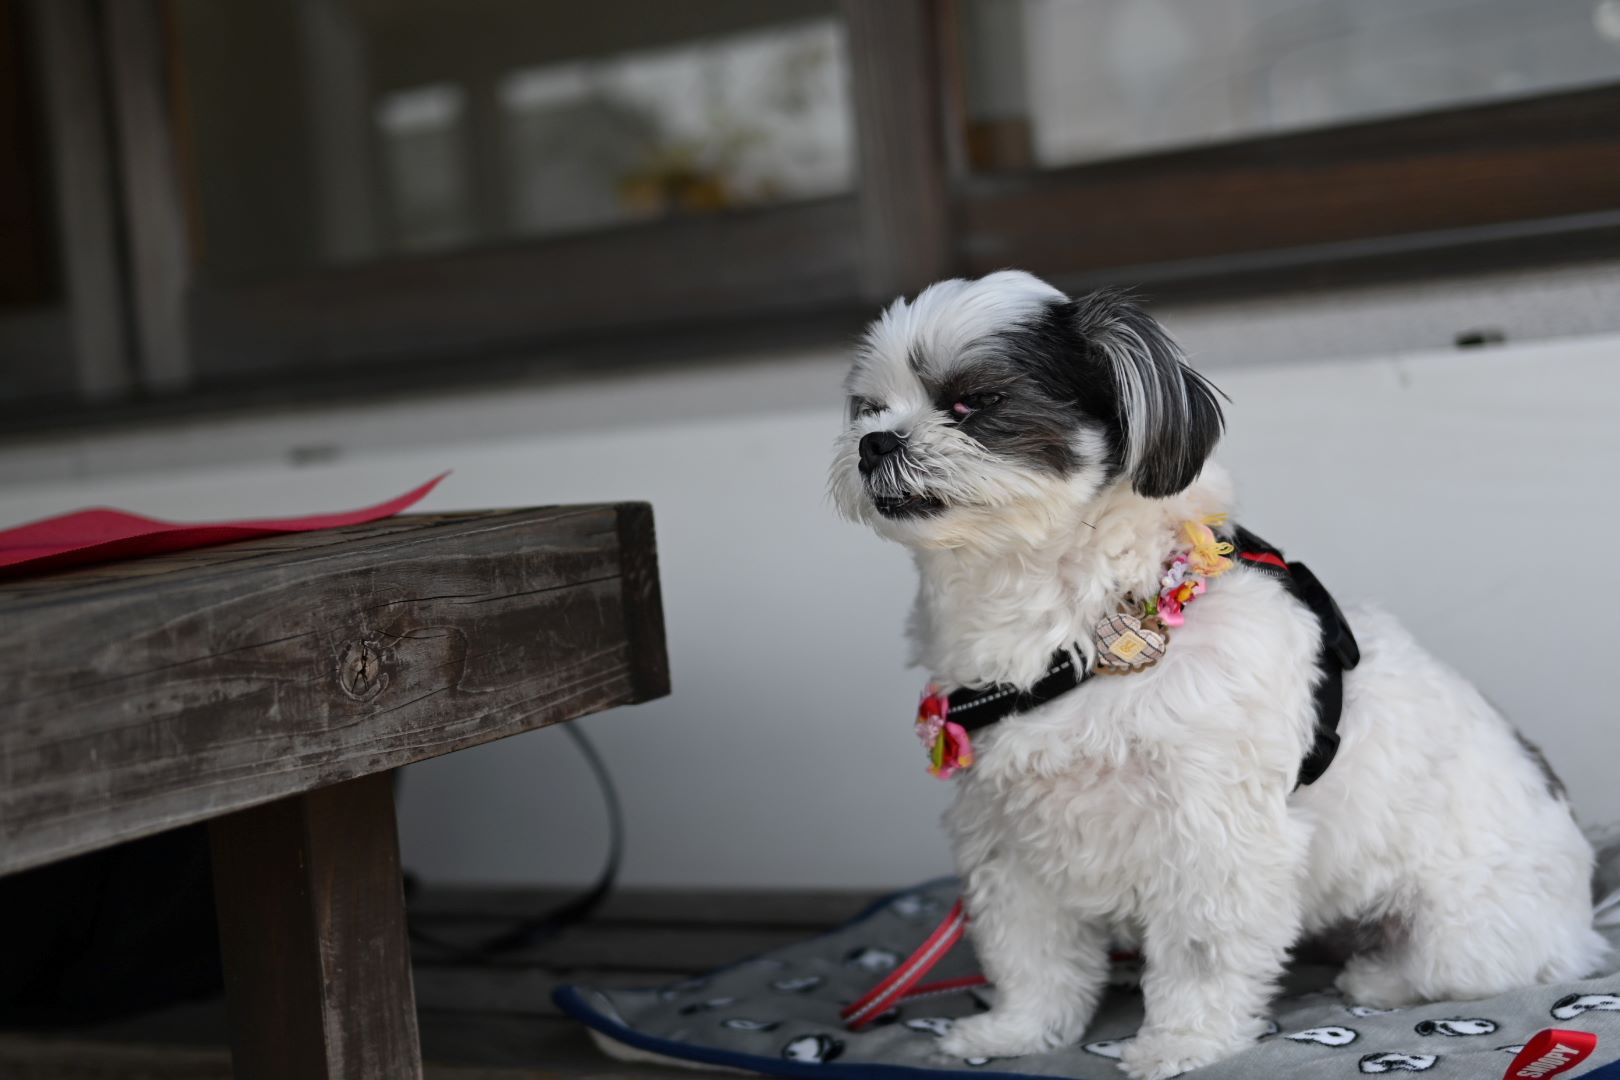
point(312, 927)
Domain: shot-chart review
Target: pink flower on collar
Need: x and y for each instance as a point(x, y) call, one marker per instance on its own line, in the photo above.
point(952, 751)
point(1176, 596)
point(949, 748)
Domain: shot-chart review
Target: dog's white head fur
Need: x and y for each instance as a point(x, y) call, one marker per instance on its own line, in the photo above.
point(990, 411)
point(1008, 434)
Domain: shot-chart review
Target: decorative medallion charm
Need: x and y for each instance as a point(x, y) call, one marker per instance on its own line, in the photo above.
point(947, 742)
point(1127, 642)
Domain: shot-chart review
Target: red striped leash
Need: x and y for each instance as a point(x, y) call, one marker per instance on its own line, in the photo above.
point(902, 983)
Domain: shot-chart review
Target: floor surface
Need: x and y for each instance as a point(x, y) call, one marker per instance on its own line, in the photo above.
point(493, 1021)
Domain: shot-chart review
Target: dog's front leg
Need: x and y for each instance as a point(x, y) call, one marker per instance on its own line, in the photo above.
point(1048, 966)
point(1226, 912)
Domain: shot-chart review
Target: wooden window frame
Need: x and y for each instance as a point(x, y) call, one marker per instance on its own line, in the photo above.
point(79, 325)
point(1501, 183)
point(1505, 184)
point(672, 287)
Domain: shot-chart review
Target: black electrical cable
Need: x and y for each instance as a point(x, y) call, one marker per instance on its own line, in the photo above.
point(537, 928)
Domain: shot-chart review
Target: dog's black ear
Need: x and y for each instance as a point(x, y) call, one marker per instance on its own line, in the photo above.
point(1169, 417)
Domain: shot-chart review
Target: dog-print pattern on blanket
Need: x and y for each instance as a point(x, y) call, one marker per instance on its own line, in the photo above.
point(1393, 1061)
point(814, 1049)
point(1108, 1048)
point(1327, 1036)
point(744, 1023)
point(867, 958)
point(1455, 1027)
point(781, 1016)
point(1568, 1008)
point(692, 1008)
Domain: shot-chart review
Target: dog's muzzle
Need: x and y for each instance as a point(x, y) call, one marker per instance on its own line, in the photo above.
point(882, 467)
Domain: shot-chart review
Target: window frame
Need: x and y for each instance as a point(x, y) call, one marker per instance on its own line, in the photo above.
point(1503, 184)
point(817, 261)
point(80, 325)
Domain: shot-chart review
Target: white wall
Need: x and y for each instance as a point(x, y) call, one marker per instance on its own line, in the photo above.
point(1453, 486)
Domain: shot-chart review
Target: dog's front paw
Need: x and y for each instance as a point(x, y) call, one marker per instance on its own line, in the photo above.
point(1001, 1035)
point(1378, 985)
point(1162, 1054)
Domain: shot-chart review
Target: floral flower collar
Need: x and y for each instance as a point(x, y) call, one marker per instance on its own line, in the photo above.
point(1133, 638)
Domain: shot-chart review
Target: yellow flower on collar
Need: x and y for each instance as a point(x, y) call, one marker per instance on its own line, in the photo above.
point(1208, 554)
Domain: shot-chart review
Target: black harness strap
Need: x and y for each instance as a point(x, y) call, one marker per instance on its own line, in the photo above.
point(1337, 654)
point(976, 708)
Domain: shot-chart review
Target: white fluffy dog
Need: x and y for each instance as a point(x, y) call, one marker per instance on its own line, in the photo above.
point(1041, 456)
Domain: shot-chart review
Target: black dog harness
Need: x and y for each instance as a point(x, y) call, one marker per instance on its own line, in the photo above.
point(976, 708)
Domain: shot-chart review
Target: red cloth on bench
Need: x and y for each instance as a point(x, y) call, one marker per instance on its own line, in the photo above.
point(102, 535)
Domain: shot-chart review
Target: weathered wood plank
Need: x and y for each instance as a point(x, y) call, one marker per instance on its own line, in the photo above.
point(312, 930)
point(803, 910)
point(492, 1022)
point(74, 101)
point(41, 1057)
point(456, 1045)
point(25, 257)
point(518, 991)
point(138, 698)
point(18, 594)
point(154, 201)
point(905, 207)
point(1342, 195)
point(674, 950)
point(34, 1057)
point(643, 601)
point(559, 1046)
point(556, 293)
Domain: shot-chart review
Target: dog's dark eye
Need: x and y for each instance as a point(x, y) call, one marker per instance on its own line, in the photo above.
point(968, 404)
point(864, 407)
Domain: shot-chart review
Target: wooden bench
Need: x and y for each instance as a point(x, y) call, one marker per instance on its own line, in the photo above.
point(269, 688)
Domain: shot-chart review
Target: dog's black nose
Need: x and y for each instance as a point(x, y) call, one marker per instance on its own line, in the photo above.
point(875, 446)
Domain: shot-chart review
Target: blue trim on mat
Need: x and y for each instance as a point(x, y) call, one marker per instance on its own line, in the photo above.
point(1611, 1071)
point(571, 1001)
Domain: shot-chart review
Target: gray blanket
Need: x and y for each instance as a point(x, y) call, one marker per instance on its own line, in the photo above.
point(778, 1014)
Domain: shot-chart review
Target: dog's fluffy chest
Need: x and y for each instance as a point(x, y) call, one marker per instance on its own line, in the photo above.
point(1092, 794)
point(1084, 831)
point(998, 619)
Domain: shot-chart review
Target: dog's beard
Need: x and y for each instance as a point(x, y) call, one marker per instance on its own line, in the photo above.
point(924, 479)
point(899, 489)
point(952, 492)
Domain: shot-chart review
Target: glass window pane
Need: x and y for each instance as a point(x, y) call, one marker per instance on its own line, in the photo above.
point(25, 272)
point(37, 360)
point(1058, 82)
point(326, 132)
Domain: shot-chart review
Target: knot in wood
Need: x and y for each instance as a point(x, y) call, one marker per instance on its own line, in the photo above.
point(360, 670)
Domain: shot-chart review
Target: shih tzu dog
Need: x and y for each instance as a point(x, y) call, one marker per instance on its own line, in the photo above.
point(1155, 774)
